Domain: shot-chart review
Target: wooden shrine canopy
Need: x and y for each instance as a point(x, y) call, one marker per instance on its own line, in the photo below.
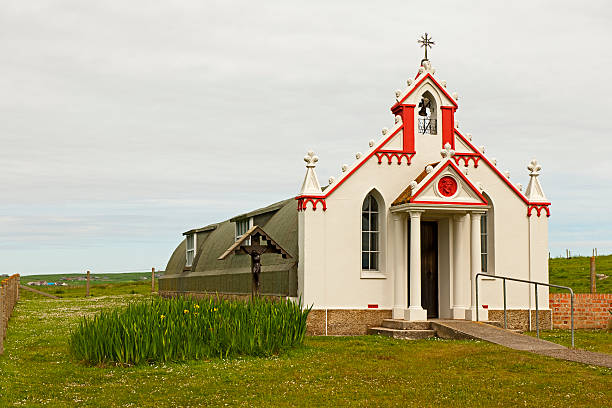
point(255, 242)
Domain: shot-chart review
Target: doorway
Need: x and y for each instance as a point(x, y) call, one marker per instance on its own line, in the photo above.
point(429, 268)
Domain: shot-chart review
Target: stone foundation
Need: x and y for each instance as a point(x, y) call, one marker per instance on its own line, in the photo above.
point(201, 295)
point(519, 319)
point(344, 322)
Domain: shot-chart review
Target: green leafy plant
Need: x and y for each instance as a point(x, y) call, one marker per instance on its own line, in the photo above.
point(185, 329)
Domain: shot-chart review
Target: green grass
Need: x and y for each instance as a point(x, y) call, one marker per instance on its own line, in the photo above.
point(95, 290)
point(37, 369)
point(180, 329)
point(591, 340)
point(575, 273)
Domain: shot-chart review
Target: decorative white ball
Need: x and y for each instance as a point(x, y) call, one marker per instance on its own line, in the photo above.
point(358, 155)
point(371, 143)
point(385, 131)
point(344, 168)
point(331, 180)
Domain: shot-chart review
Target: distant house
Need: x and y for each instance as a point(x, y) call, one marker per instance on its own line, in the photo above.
point(401, 232)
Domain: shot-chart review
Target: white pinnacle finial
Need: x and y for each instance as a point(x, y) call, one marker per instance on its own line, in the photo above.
point(447, 152)
point(311, 185)
point(534, 168)
point(534, 190)
point(311, 159)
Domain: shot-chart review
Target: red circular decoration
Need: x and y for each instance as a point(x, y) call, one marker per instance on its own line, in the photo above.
point(447, 186)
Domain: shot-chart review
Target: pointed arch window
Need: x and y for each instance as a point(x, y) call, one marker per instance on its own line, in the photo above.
point(370, 234)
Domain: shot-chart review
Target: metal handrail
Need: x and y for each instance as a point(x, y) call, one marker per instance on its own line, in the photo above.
point(505, 278)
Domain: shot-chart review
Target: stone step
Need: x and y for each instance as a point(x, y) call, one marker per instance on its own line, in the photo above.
point(406, 325)
point(402, 334)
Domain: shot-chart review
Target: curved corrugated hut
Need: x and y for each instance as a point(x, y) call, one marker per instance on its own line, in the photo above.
point(207, 274)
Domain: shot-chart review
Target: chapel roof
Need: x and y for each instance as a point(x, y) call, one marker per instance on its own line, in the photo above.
point(406, 195)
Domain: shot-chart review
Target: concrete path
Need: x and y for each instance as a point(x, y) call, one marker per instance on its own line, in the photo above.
point(506, 338)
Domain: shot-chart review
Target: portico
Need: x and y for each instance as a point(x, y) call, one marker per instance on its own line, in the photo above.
point(463, 260)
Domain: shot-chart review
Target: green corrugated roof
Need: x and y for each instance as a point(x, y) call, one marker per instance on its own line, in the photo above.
point(282, 227)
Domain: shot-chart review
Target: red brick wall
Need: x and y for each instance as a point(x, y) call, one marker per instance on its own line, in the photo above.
point(591, 311)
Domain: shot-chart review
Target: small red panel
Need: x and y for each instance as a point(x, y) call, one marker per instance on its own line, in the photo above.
point(485, 306)
point(447, 186)
point(372, 306)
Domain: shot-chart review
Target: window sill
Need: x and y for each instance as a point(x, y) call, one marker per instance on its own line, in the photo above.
point(373, 275)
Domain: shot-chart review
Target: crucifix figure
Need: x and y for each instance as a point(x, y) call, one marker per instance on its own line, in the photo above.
point(250, 243)
point(426, 42)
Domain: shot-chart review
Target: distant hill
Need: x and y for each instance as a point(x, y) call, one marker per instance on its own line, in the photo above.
point(74, 279)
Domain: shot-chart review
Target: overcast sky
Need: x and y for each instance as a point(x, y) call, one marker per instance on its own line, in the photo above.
point(125, 123)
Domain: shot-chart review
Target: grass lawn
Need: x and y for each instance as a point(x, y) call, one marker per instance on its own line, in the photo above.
point(591, 340)
point(36, 370)
point(95, 290)
point(575, 273)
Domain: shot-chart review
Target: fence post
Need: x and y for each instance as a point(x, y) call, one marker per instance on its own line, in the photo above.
point(593, 276)
point(152, 280)
point(537, 311)
point(87, 291)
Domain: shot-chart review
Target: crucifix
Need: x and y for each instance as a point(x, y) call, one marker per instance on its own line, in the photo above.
point(427, 42)
point(255, 242)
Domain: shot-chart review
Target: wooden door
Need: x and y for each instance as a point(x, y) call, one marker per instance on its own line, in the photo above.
point(429, 268)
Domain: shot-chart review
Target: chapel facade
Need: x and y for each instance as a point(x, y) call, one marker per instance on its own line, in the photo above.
point(401, 233)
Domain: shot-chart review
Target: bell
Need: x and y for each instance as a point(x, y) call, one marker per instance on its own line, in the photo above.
point(423, 105)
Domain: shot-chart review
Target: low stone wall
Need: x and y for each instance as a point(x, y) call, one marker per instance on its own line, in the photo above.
point(344, 322)
point(519, 319)
point(202, 295)
point(591, 311)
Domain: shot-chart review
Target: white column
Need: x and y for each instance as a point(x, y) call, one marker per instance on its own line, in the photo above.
point(415, 311)
point(399, 269)
point(460, 276)
point(475, 252)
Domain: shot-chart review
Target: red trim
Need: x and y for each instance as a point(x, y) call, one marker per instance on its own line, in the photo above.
point(446, 202)
point(313, 200)
point(466, 157)
point(460, 173)
point(398, 154)
point(538, 208)
point(414, 87)
point(372, 306)
point(448, 126)
point(407, 114)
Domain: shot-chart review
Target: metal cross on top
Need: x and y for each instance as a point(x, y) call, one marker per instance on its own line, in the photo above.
point(426, 41)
